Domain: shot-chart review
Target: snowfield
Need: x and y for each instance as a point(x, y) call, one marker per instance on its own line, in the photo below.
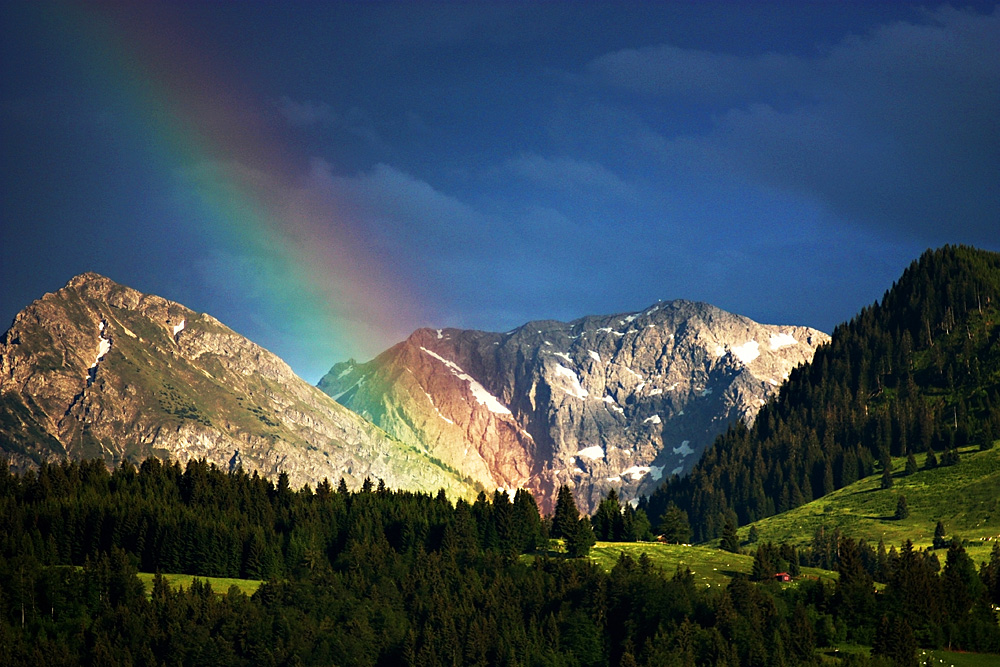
point(479, 392)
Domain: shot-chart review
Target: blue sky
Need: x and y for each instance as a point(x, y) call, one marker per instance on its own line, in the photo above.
point(483, 165)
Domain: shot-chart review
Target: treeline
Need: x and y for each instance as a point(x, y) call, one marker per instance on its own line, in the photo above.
point(200, 520)
point(918, 372)
point(950, 605)
point(380, 577)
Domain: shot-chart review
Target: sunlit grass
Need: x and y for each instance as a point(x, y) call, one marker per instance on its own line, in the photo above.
point(220, 585)
point(963, 496)
point(710, 566)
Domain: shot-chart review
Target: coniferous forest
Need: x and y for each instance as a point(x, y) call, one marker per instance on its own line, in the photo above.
point(376, 576)
point(380, 577)
point(917, 372)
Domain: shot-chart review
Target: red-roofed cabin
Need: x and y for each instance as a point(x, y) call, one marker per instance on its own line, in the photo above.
point(782, 576)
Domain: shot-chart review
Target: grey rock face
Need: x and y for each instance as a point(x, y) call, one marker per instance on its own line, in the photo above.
point(620, 401)
point(99, 369)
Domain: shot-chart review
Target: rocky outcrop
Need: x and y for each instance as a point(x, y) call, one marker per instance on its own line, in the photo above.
point(99, 369)
point(621, 401)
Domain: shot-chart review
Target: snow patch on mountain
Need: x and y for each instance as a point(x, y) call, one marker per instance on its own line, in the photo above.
point(103, 347)
point(780, 340)
point(637, 472)
point(594, 355)
point(747, 352)
point(655, 419)
point(482, 396)
point(592, 452)
point(684, 449)
point(575, 388)
point(177, 328)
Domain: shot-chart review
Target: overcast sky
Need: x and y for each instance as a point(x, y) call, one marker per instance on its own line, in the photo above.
point(326, 177)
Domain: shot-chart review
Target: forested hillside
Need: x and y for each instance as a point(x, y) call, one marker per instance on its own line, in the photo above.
point(917, 372)
point(379, 577)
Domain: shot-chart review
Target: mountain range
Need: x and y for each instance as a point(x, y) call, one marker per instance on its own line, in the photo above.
point(602, 402)
point(97, 369)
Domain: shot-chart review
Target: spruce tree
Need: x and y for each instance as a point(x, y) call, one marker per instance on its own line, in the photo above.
point(895, 640)
point(566, 514)
point(939, 536)
point(674, 526)
point(931, 462)
point(902, 511)
point(729, 542)
point(607, 520)
point(886, 476)
point(580, 538)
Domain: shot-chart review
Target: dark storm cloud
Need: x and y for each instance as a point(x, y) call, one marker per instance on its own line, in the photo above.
point(897, 129)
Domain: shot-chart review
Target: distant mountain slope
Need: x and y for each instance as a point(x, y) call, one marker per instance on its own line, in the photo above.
point(617, 401)
point(99, 369)
point(918, 371)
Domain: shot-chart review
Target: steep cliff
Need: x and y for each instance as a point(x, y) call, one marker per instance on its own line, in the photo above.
point(602, 402)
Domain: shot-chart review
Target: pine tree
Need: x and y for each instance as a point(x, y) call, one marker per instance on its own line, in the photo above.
point(902, 510)
point(940, 542)
point(566, 514)
point(895, 640)
point(607, 520)
point(961, 581)
point(580, 539)
point(674, 526)
point(765, 562)
point(931, 461)
point(886, 476)
point(730, 541)
point(911, 464)
point(855, 591)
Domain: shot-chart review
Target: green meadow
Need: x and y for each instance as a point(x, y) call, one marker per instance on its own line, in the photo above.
point(710, 566)
point(965, 496)
point(928, 658)
point(220, 585)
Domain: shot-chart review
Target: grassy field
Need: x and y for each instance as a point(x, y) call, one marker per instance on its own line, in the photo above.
point(964, 496)
point(953, 659)
point(220, 585)
point(710, 566)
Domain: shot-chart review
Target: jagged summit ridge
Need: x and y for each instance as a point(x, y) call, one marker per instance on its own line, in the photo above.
point(615, 401)
point(100, 369)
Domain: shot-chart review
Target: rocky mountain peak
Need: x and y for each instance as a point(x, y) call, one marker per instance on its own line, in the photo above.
point(100, 369)
point(614, 401)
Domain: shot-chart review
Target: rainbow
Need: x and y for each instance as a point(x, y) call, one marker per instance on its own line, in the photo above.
point(197, 118)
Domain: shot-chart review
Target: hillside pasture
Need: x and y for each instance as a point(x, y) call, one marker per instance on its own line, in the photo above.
point(964, 496)
point(220, 585)
point(710, 566)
